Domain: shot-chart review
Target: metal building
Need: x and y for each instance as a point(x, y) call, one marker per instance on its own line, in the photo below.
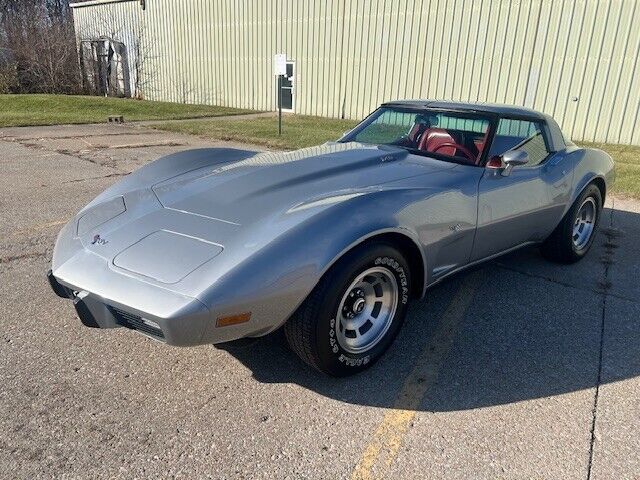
point(574, 59)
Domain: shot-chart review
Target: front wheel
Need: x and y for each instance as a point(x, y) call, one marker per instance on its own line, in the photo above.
point(352, 316)
point(572, 239)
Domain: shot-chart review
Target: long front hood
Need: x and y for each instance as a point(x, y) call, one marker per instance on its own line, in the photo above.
point(216, 215)
point(267, 183)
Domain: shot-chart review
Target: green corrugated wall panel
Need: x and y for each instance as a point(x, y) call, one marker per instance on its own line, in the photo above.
point(575, 59)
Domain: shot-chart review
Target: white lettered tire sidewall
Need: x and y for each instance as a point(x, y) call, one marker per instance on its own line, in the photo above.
point(334, 358)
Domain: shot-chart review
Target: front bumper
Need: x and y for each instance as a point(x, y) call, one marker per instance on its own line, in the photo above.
point(184, 327)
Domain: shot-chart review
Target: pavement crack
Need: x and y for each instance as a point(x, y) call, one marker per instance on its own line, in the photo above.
point(78, 154)
point(140, 145)
point(594, 411)
point(22, 256)
point(541, 277)
point(610, 246)
point(63, 137)
point(603, 284)
point(76, 180)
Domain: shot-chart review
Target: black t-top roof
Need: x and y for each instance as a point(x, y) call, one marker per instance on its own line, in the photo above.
point(495, 108)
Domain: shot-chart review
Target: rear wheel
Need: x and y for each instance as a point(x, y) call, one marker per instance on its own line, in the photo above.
point(572, 239)
point(354, 313)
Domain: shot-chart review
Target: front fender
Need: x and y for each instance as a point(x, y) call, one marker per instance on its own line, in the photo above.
point(273, 282)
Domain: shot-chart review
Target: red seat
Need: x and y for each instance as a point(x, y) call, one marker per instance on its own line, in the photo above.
point(432, 138)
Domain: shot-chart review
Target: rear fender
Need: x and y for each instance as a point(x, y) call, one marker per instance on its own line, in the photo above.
point(595, 164)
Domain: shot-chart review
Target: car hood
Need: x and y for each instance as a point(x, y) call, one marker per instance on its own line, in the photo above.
point(209, 212)
point(247, 190)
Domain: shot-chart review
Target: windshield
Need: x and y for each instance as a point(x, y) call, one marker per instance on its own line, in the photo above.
point(454, 136)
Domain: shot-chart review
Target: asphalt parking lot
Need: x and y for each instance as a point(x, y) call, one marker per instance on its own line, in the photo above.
point(517, 369)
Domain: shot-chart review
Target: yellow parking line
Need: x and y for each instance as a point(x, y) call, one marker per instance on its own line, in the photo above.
point(387, 439)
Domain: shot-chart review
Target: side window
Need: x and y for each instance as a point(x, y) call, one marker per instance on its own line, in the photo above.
point(520, 135)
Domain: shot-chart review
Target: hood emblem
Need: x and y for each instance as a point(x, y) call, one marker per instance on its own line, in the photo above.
point(99, 241)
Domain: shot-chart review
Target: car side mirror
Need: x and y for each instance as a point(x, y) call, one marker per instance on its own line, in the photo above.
point(513, 158)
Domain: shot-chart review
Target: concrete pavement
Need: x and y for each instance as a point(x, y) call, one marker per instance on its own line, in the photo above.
point(517, 369)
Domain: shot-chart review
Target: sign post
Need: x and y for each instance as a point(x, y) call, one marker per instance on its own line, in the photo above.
point(280, 69)
point(279, 104)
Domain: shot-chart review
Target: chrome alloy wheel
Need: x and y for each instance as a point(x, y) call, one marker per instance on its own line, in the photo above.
point(367, 309)
point(584, 224)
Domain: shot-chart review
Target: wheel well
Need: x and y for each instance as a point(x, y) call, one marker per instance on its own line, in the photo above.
point(411, 252)
point(599, 182)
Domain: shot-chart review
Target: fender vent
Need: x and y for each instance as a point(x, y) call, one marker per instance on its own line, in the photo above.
point(134, 322)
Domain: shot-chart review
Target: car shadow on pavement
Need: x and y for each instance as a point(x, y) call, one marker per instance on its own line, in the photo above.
point(533, 329)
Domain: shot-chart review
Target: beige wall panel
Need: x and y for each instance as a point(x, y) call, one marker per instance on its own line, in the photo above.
point(574, 59)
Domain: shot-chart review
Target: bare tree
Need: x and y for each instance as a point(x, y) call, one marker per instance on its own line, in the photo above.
point(184, 89)
point(143, 63)
point(39, 46)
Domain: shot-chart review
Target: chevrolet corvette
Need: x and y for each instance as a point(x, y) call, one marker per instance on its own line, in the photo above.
point(329, 242)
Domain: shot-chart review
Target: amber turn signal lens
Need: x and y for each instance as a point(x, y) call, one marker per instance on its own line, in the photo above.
point(233, 319)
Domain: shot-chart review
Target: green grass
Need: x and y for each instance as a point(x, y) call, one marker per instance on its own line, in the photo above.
point(627, 160)
point(22, 110)
point(298, 131)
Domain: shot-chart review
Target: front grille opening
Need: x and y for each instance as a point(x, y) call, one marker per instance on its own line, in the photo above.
point(135, 322)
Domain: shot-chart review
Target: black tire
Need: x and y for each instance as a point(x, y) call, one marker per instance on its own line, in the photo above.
point(560, 247)
point(312, 331)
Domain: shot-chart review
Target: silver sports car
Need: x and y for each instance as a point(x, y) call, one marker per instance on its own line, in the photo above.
point(331, 242)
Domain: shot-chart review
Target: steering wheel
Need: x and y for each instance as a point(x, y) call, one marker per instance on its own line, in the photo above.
point(457, 146)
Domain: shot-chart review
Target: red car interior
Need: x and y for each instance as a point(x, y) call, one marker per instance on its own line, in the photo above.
point(439, 140)
point(416, 132)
